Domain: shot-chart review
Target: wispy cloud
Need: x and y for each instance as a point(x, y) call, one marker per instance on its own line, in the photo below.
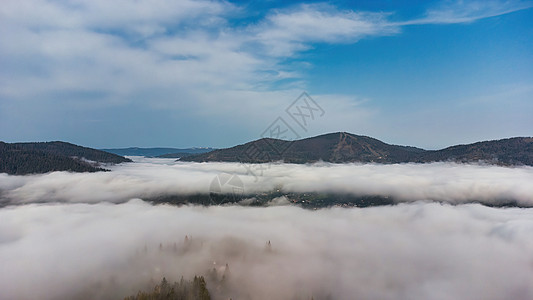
point(460, 11)
point(120, 15)
point(286, 32)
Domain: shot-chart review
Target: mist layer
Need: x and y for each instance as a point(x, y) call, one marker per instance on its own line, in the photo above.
point(407, 251)
point(146, 178)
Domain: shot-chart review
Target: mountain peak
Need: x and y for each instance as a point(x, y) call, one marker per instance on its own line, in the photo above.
point(342, 147)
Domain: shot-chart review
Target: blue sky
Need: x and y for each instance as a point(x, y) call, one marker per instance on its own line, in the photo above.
point(215, 73)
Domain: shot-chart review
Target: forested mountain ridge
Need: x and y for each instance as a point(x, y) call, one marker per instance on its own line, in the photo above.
point(68, 149)
point(43, 157)
point(333, 147)
point(342, 147)
point(157, 152)
point(511, 151)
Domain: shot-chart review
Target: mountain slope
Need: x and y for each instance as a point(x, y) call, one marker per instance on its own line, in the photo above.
point(512, 151)
point(68, 149)
point(31, 158)
point(334, 147)
point(344, 147)
point(156, 152)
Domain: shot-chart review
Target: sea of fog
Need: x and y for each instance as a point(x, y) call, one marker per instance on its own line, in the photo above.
point(91, 236)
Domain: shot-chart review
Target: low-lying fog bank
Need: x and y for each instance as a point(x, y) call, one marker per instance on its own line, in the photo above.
point(149, 178)
point(408, 251)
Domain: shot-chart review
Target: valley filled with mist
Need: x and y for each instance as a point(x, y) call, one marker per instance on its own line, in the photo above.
point(446, 232)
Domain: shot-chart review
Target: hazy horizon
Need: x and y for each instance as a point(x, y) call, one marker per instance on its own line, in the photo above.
point(244, 142)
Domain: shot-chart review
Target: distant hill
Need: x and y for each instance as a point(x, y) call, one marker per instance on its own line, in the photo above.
point(344, 147)
point(31, 158)
point(512, 151)
point(178, 154)
point(157, 152)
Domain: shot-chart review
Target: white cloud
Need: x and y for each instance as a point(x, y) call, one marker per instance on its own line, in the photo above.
point(286, 32)
point(86, 46)
point(118, 15)
point(169, 50)
point(453, 12)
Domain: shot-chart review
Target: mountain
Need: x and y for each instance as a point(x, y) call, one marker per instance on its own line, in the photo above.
point(342, 147)
point(178, 154)
point(512, 151)
point(156, 152)
point(71, 150)
point(334, 147)
point(31, 158)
